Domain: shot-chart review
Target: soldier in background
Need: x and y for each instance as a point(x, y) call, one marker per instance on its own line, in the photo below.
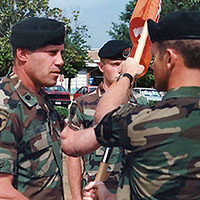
point(30, 145)
point(112, 55)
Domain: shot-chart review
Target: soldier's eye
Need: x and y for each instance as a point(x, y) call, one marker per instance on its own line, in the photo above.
point(53, 52)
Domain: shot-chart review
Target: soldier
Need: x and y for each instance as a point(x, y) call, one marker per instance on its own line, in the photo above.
point(112, 55)
point(163, 140)
point(30, 153)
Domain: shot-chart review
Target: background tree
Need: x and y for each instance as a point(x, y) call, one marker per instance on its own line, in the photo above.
point(13, 11)
point(121, 30)
point(76, 50)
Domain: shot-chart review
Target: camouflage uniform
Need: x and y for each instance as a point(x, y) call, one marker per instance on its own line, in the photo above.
point(82, 116)
point(163, 141)
point(30, 141)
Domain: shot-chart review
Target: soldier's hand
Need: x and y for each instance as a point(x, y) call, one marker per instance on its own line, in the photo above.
point(132, 67)
point(97, 190)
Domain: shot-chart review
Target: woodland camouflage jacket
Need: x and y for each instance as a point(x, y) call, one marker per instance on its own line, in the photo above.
point(30, 141)
point(163, 143)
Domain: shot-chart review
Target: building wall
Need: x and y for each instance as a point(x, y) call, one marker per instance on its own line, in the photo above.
point(84, 74)
point(79, 81)
point(76, 83)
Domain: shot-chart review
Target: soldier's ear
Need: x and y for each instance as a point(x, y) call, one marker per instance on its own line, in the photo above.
point(22, 54)
point(170, 58)
point(100, 65)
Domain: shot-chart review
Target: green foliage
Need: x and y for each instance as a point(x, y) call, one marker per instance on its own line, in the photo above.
point(121, 30)
point(62, 111)
point(5, 56)
point(76, 49)
point(175, 5)
point(147, 80)
point(13, 11)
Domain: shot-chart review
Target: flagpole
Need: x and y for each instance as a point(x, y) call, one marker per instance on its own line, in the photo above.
point(102, 170)
point(101, 174)
point(141, 43)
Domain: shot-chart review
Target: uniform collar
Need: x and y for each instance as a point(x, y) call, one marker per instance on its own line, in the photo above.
point(183, 92)
point(28, 97)
point(100, 90)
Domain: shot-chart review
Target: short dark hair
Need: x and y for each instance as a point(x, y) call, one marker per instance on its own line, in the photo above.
point(14, 50)
point(189, 50)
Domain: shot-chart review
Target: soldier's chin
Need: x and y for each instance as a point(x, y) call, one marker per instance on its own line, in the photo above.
point(51, 84)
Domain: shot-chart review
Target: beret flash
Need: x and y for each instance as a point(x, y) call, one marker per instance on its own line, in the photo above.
point(175, 26)
point(115, 50)
point(36, 32)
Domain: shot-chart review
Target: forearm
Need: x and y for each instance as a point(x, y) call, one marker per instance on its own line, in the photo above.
point(74, 176)
point(79, 143)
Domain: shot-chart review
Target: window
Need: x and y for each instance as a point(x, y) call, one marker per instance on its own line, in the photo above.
point(91, 89)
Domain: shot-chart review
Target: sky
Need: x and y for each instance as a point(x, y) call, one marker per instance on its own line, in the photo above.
point(97, 15)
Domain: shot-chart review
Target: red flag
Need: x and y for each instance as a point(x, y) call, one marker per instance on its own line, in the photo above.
point(144, 10)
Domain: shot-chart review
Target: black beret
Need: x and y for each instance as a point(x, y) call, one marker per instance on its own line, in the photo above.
point(175, 26)
point(36, 32)
point(115, 50)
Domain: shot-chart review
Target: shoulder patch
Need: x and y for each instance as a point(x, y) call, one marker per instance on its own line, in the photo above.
point(4, 115)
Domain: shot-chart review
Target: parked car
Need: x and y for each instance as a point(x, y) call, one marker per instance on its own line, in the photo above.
point(58, 95)
point(150, 93)
point(84, 90)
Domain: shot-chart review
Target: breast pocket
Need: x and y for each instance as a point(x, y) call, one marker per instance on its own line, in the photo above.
point(42, 161)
